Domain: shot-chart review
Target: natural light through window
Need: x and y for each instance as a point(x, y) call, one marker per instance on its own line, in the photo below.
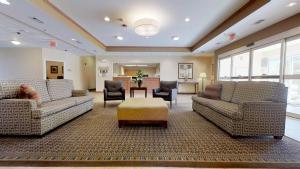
point(240, 65)
point(266, 61)
point(225, 65)
point(292, 74)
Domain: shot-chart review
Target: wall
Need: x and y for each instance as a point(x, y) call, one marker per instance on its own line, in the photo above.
point(21, 63)
point(59, 71)
point(89, 66)
point(168, 66)
point(73, 68)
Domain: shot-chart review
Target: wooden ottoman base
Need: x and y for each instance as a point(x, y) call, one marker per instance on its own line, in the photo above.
point(143, 122)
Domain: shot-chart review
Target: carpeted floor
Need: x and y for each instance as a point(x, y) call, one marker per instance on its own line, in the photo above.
point(190, 140)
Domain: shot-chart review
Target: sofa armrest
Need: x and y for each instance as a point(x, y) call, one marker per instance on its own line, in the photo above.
point(173, 93)
point(264, 115)
point(200, 94)
point(21, 105)
point(16, 116)
point(78, 93)
point(157, 90)
point(123, 91)
point(105, 93)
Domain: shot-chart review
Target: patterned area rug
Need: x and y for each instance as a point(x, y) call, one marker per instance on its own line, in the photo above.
point(190, 140)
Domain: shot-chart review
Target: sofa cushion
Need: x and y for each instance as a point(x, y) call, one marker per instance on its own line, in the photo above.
point(83, 99)
point(227, 90)
point(53, 107)
point(162, 94)
point(166, 86)
point(10, 89)
point(114, 94)
point(113, 86)
point(59, 88)
point(213, 91)
point(259, 91)
point(227, 109)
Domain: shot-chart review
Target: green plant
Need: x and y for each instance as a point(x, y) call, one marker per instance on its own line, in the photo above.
point(139, 75)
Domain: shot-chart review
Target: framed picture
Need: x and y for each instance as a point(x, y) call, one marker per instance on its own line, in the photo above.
point(185, 70)
point(62, 69)
point(54, 69)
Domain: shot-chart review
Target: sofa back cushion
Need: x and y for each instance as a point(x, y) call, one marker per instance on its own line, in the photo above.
point(227, 90)
point(259, 91)
point(213, 91)
point(113, 86)
point(166, 86)
point(59, 88)
point(10, 89)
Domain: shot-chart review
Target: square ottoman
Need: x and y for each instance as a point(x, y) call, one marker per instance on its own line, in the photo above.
point(143, 111)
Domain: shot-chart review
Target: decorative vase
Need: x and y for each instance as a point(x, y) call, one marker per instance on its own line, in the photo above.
point(140, 82)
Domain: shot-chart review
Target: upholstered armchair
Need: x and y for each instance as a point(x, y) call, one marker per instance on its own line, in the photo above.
point(113, 90)
point(167, 91)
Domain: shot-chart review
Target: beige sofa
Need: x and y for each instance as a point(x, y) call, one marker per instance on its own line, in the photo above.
point(247, 108)
point(60, 103)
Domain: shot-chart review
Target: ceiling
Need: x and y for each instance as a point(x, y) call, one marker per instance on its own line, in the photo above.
point(88, 15)
point(169, 13)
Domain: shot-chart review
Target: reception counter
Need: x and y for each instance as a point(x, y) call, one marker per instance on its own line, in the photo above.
point(149, 82)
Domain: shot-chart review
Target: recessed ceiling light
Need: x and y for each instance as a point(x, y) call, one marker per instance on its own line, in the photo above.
point(291, 4)
point(187, 19)
point(73, 39)
point(5, 2)
point(119, 37)
point(175, 37)
point(106, 19)
point(15, 42)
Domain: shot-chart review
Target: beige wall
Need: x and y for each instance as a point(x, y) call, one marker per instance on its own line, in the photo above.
point(168, 66)
point(54, 75)
point(21, 63)
point(73, 66)
point(89, 74)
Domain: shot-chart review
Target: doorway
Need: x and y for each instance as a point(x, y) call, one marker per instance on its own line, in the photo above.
point(54, 70)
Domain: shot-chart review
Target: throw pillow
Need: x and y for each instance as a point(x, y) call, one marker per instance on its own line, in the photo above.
point(213, 91)
point(28, 92)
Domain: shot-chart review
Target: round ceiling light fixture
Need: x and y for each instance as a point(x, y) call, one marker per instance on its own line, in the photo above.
point(146, 27)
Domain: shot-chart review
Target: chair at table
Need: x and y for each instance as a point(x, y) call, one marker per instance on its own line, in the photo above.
point(167, 91)
point(113, 90)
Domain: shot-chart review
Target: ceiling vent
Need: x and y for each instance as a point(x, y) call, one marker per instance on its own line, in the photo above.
point(37, 20)
point(259, 21)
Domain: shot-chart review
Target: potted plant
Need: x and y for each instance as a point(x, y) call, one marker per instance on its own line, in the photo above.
point(139, 78)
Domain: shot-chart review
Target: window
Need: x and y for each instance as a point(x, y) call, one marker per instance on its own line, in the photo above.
point(266, 62)
point(292, 74)
point(240, 66)
point(225, 68)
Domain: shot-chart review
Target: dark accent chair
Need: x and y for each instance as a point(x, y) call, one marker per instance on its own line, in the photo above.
point(113, 90)
point(167, 91)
